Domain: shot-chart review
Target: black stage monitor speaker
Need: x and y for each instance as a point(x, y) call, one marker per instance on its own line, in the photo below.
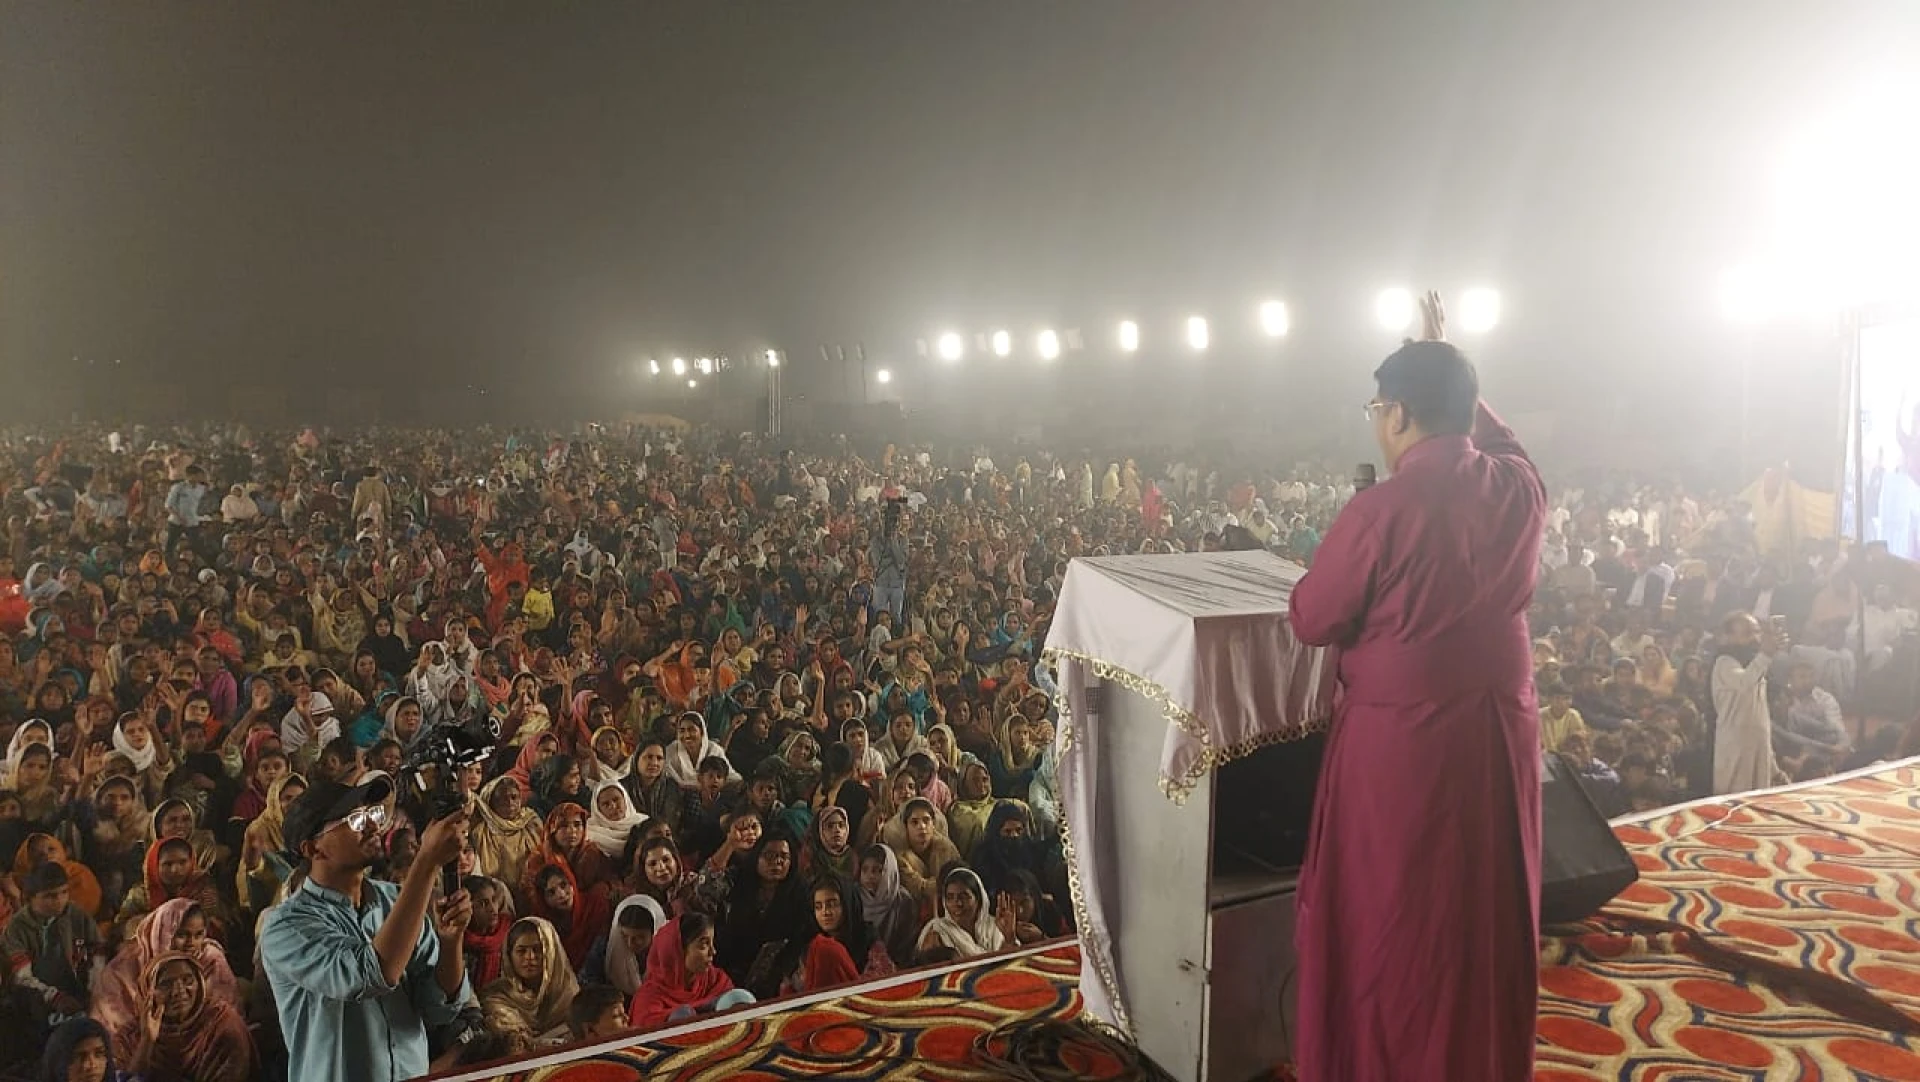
point(1582, 865)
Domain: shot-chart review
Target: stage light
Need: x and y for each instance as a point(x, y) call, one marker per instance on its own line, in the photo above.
point(692, 383)
point(951, 346)
point(1273, 319)
point(1049, 345)
point(1129, 336)
point(1197, 334)
point(653, 367)
point(1393, 310)
point(773, 358)
point(1002, 343)
point(1479, 310)
point(679, 366)
point(1845, 222)
point(705, 364)
point(884, 376)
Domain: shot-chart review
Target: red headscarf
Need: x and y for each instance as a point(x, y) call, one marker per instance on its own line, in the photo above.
point(588, 920)
point(666, 986)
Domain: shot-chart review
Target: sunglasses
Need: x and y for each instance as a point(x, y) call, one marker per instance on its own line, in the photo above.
point(361, 820)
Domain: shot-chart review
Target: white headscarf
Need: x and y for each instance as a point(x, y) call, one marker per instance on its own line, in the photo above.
point(983, 938)
point(18, 747)
point(685, 771)
point(610, 835)
point(624, 971)
point(142, 757)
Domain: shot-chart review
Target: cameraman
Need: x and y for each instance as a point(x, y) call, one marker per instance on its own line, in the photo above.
point(888, 555)
point(357, 970)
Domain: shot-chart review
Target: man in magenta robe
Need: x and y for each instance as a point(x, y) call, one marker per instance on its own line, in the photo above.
point(1417, 911)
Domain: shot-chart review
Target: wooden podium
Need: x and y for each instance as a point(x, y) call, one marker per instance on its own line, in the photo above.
point(1189, 746)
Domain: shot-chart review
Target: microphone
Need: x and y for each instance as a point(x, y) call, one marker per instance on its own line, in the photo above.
point(1363, 477)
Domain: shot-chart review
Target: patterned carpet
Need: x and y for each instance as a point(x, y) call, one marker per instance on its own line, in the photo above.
point(1772, 937)
point(957, 1027)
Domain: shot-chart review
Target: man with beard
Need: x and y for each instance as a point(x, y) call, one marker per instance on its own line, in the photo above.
point(356, 969)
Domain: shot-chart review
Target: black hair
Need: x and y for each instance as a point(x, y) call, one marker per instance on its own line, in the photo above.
point(547, 874)
point(714, 764)
point(638, 918)
point(589, 1004)
point(1434, 383)
point(837, 760)
point(693, 925)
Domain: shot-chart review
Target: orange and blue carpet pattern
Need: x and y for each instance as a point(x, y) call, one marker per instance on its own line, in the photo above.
point(952, 1027)
point(1770, 937)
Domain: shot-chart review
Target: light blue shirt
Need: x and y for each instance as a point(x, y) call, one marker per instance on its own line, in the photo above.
point(341, 1019)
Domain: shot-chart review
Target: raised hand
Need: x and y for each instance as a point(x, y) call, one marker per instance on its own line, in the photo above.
point(1433, 318)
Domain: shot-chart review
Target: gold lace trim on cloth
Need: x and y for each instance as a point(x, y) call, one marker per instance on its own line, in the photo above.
point(1211, 757)
point(1101, 956)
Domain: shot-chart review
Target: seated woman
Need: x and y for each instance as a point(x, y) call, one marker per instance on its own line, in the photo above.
point(576, 915)
point(887, 908)
point(1034, 914)
point(612, 821)
point(505, 831)
point(485, 940)
point(619, 958)
point(187, 1035)
point(1007, 847)
point(171, 873)
point(567, 843)
point(767, 921)
point(659, 875)
point(558, 782)
point(691, 747)
point(840, 938)
point(972, 804)
point(923, 850)
point(175, 818)
point(263, 867)
point(528, 1004)
point(177, 927)
point(966, 928)
point(829, 849)
point(682, 980)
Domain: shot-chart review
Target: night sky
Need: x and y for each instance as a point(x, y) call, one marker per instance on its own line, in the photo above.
point(534, 195)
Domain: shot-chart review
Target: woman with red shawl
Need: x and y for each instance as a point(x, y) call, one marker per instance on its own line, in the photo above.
point(578, 916)
point(170, 873)
point(567, 845)
point(177, 926)
point(187, 1035)
point(83, 887)
point(681, 979)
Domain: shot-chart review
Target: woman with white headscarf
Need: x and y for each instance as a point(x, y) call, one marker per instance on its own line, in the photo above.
point(967, 926)
point(621, 958)
point(35, 731)
point(612, 819)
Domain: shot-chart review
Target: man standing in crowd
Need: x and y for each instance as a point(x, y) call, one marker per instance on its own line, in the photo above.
point(1419, 900)
point(357, 972)
point(1743, 726)
point(888, 554)
point(183, 508)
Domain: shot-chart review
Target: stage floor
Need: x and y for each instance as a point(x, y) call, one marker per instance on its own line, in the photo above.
point(1773, 936)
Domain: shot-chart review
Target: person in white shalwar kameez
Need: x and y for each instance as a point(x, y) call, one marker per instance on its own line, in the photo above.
point(1743, 733)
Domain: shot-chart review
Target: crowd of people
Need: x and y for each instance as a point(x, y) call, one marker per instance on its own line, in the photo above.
point(768, 720)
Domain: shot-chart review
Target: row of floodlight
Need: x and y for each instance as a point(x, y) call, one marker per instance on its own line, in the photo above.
point(1394, 310)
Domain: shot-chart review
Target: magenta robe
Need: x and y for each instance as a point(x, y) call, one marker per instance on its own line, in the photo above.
point(1419, 899)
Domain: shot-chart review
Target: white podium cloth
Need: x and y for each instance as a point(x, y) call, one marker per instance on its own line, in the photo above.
point(1205, 637)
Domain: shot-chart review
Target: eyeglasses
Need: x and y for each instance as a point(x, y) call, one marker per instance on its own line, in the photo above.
point(360, 820)
point(1375, 407)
